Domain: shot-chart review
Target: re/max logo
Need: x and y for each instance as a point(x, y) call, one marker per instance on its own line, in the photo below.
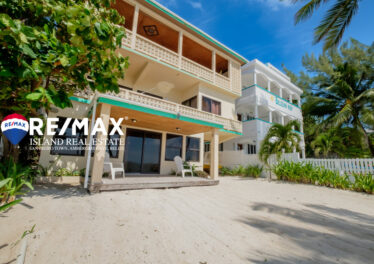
point(15, 124)
point(36, 125)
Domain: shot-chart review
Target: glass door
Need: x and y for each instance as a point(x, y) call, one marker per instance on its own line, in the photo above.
point(142, 151)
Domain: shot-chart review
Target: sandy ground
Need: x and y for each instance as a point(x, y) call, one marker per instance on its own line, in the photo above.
point(238, 221)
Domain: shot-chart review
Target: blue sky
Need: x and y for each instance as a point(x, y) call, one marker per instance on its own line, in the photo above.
point(264, 29)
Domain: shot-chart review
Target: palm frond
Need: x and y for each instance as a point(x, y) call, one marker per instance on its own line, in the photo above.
point(307, 10)
point(335, 22)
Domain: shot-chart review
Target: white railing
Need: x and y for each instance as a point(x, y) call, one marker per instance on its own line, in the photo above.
point(161, 53)
point(197, 69)
point(222, 81)
point(127, 41)
point(155, 50)
point(171, 107)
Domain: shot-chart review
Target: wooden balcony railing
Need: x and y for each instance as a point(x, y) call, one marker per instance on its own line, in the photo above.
point(161, 53)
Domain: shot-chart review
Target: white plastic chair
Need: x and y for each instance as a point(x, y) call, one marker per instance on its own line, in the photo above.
point(181, 168)
point(108, 167)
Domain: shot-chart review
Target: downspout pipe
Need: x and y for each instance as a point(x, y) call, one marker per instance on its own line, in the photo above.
point(88, 163)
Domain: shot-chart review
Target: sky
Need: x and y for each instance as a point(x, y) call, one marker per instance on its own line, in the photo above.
point(264, 29)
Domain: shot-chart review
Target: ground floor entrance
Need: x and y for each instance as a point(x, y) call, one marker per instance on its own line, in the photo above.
point(142, 151)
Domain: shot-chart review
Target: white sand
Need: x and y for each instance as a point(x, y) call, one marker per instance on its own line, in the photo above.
point(238, 221)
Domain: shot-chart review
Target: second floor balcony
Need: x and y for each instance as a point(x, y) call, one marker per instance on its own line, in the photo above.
point(158, 39)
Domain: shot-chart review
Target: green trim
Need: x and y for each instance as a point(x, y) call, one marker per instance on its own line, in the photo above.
point(270, 123)
point(229, 131)
point(81, 100)
point(196, 30)
point(271, 94)
point(156, 112)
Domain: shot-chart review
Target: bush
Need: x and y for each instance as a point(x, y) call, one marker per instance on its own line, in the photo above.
point(238, 171)
point(253, 171)
point(13, 176)
point(307, 173)
point(225, 171)
point(200, 173)
point(63, 172)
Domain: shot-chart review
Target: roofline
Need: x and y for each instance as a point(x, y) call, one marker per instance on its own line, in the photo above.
point(195, 29)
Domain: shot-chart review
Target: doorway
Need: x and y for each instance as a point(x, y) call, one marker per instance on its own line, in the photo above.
point(142, 151)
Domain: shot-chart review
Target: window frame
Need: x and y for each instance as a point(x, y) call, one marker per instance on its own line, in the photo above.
point(173, 147)
point(193, 149)
point(188, 102)
point(210, 100)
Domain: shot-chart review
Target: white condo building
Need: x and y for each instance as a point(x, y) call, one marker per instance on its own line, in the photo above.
point(268, 97)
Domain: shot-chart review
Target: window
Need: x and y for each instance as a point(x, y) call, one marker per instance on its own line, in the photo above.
point(239, 117)
point(67, 144)
point(193, 149)
point(251, 149)
point(173, 146)
point(211, 106)
point(239, 147)
point(113, 142)
point(221, 147)
point(192, 102)
point(206, 146)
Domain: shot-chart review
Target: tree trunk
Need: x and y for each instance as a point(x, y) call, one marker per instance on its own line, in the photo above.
point(367, 139)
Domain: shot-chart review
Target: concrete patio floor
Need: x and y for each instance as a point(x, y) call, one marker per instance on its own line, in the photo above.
point(237, 221)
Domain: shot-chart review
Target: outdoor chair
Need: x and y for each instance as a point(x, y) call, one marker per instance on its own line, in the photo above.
point(182, 168)
point(109, 167)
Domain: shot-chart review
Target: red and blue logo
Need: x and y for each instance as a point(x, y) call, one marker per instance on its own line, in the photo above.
point(15, 128)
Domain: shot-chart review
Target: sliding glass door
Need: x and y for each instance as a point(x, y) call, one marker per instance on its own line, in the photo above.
point(142, 151)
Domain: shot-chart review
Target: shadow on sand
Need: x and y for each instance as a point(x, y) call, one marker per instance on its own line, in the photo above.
point(335, 235)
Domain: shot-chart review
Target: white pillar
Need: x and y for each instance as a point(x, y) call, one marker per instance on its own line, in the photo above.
point(256, 111)
point(270, 117)
point(290, 98)
point(269, 84)
point(98, 164)
point(282, 120)
point(280, 92)
point(301, 126)
point(214, 154)
point(254, 78)
point(214, 65)
point(180, 49)
point(135, 26)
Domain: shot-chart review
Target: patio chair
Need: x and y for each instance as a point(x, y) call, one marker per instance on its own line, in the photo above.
point(182, 168)
point(109, 167)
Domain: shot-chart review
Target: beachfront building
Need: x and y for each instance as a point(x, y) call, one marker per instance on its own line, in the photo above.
point(268, 97)
point(179, 91)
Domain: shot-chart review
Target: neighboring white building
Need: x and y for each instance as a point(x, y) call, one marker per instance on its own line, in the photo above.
point(268, 97)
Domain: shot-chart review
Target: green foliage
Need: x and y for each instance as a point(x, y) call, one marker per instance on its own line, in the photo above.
point(63, 172)
point(253, 171)
point(338, 100)
point(200, 173)
point(337, 19)
point(307, 173)
point(13, 176)
point(50, 48)
point(225, 171)
point(238, 171)
point(278, 139)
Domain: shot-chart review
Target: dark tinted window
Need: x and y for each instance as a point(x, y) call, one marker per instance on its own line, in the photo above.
point(173, 146)
point(193, 149)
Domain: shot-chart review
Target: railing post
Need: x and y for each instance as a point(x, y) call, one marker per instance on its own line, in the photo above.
point(180, 49)
point(135, 26)
point(229, 75)
point(214, 65)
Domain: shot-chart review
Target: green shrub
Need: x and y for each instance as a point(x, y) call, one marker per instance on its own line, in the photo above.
point(307, 173)
point(13, 176)
point(363, 183)
point(225, 171)
point(238, 171)
point(200, 173)
point(253, 171)
point(63, 172)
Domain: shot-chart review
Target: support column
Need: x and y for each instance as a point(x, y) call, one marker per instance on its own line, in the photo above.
point(254, 78)
point(135, 26)
point(256, 111)
point(270, 116)
point(98, 164)
point(214, 65)
point(282, 120)
point(180, 49)
point(291, 98)
point(280, 92)
point(214, 154)
point(269, 84)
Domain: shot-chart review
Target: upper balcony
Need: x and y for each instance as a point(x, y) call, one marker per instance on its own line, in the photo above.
point(158, 39)
point(255, 95)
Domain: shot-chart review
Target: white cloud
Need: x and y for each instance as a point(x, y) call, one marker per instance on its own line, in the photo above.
point(196, 5)
point(274, 4)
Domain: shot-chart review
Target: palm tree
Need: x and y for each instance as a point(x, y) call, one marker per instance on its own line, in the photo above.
point(326, 143)
point(279, 139)
point(346, 99)
point(335, 22)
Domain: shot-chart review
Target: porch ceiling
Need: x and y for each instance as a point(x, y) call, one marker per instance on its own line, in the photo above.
point(156, 122)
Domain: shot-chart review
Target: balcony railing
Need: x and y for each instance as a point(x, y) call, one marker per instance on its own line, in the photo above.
point(161, 53)
point(171, 107)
